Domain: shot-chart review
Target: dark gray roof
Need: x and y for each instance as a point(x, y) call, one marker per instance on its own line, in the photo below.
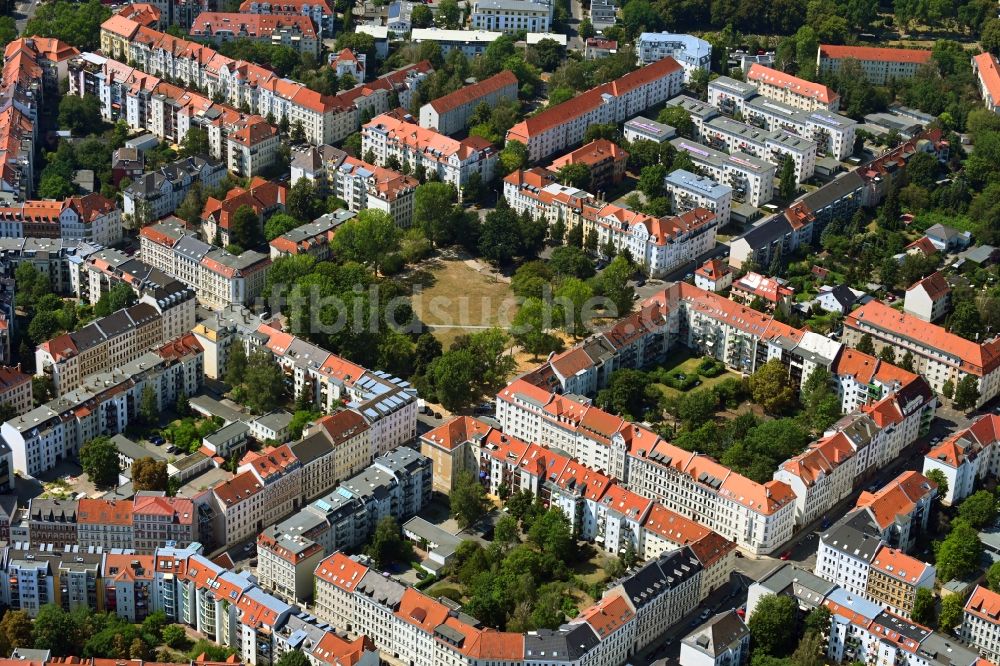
point(311, 448)
point(383, 590)
point(718, 634)
point(666, 572)
point(768, 231)
point(843, 295)
point(834, 191)
point(854, 535)
point(568, 643)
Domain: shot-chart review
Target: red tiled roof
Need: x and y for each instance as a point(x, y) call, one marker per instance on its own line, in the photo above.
point(897, 498)
point(987, 66)
point(985, 604)
point(876, 53)
point(934, 284)
point(340, 570)
point(798, 86)
point(469, 94)
point(455, 432)
point(104, 512)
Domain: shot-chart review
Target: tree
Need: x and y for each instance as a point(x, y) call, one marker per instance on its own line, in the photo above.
point(195, 143)
point(303, 204)
point(149, 474)
point(433, 203)
point(576, 175)
point(387, 544)
point(992, 578)
point(772, 625)
point(572, 297)
point(574, 237)
point(8, 30)
point(679, 118)
point(651, 180)
point(629, 393)
point(613, 284)
point(907, 362)
point(570, 261)
point(15, 630)
point(924, 607)
point(810, 650)
point(965, 320)
point(966, 392)
point(866, 345)
point(468, 499)
point(280, 224)
point(448, 14)
point(989, 36)
point(770, 387)
point(149, 405)
point(80, 115)
point(78, 24)
point(787, 183)
point(174, 636)
point(236, 365)
point(265, 382)
point(530, 325)
point(296, 657)
point(99, 459)
point(978, 509)
point(552, 534)
point(499, 239)
point(938, 477)
point(54, 630)
point(244, 227)
point(958, 555)
point(948, 389)
point(952, 611)
point(367, 239)
point(421, 17)
point(298, 134)
point(453, 376)
point(514, 156)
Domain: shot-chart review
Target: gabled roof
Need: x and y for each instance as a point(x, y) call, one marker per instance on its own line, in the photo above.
point(477, 91)
point(876, 53)
point(761, 74)
point(986, 65)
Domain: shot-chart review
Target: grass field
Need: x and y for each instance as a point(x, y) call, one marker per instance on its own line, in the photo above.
point(452, 298)
point(689, 366)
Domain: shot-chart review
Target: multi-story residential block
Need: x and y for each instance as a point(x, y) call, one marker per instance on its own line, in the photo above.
point(966, 457)
point(751, 179)
point(103, 403)
point(469, 42)
point(15, 389)
point(103, 523)
point(939, 356)
point(52, 521)
point(820, 477)
point(91, 218)
point(126, 162)
point(337, 446)
point(154, 195)
point(511, 16)
point(900, 509)
point(565, 125)
point(792, 90)
point(292, 30)
point(360, 184)
point(219, 279)
point(312, 238)
point(318, 10)
point(773, 147)
point(714, 275)
point(286, 564)
point(772, 293)
point(688, 191)
point(729, 95)
point(263, 196)
point(928, 299)
point(596, 48)
point(879, 65)
point(700, 112)
point(109, 342)
point(452, 448)
point(644, 129)
point(895, 578)
point(451, 113)
point(349, 63)
point(127, 581)
point(987, 70)
point(833, 133)
point(158, 520)
point(981, 622)
point(692, 53)
point(391, 136)
point(722, 641)
point(605, 160)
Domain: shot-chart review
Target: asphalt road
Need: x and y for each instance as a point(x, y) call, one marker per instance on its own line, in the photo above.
point(23, 12)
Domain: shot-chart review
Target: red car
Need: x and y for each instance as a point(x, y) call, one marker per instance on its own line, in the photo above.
point(787, 555)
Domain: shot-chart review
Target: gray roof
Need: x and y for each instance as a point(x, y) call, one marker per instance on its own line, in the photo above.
point(665, 572)
point(694, 107)
point(277, 420)
point(718, 634)
point(444, 542)
point(799, 583)
point(208, 405)
point(834, 191)
point(402, 459)
point(855, 536)
point(311, 448)
point(135, 451)
point(381, 589)
point(568, 643)
point(768, 231)
point(225, 433)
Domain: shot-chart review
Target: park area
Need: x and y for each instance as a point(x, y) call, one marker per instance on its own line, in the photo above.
point(684, 373)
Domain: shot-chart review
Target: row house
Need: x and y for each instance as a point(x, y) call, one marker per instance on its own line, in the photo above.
point(981, 622)
point(318, 10)
point(774, 147)
point(359, 184)
point(219, 278)
point(279, 473)
point(90, 218)
point(102, 523)
point(450, 113)
point(151, 196)
point(900, 509)
point(939, 356)
point(295, 31)
point(68, 577)
point(312, 238)
point(15, 389)
point(879, 65)
point(339, 446)
point(820, 477)
point(396, 137)
point(104, 403)
point(772, 294)
point(564, 125)
point(967, 457)
point(791, 90)
point(751, 179)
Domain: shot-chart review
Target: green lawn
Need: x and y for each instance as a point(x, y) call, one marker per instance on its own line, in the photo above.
point(689, 366)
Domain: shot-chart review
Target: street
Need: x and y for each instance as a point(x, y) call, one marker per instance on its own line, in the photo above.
point(573, 25)
point(23, 12)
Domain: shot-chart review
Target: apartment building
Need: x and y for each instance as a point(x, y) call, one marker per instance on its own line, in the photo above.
point(688, 191)
point(452, 448)
point(103, 403)
point(722, 641)
point(604, 159)
point(263, 196)
point(987, 70)
point(791, 90)
point(714, 275)
point(15, 389)
point(450, 114)
point(929, 298)
point(700, 112)
point(219, 279)
point(318, 10)
point(337, 446)
point(966, 457)
point(879, 65)
point(981, 622)
point(692, 53)
point(361, 185)
point(312, 238)
point(730, 95)
point(151, 196)
point(511, 16)
point(286, 564)
point(469, 42)
point(820, 477)
point(102, 523)
point(564, 125)
point(295, 31)
point(109, 342)
point(751, 179)
point(644, 129)
point(394, 136)
point(833, 133)
point(158, 520)
point(939, 356)
point(90, 218)
point(895, 578)
point(773, 147)
point(772, 294)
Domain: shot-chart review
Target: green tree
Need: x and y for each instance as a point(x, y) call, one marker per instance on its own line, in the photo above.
point(76, 23)
point(514, 156)
point(149, 474)
point(368, 238)
point(54, 630)
point(302, 202)
point(679, 118)
point(574, 237)
point(118, 297)
point(966, 392)
point(907, 362)
point(952, 610)
point(787, 181)
point(810, 651)
point(265, 382)
point(948, 389)
point(195, 143)
point(770, 388)
point(992, 577)
point(8, 31)
point(421, 17)
point(99, 459)
point(280, 224)
point(294, 658)
point(468, 499)
point(938, 477)
point(499, 239)
point(387, 544)
point(958, 555)
point(978, 509)
point(924, 607)
point(576, 175)
point(570, 261)
point(174, 636)
point(613, 283)
point(866, 345)
point(244, 227)
point(965, 320)
point(149, 405)
point(448, 14)
point(572, 297)
point(772, 625)
point(453, 376)
point(433, 205)
point(651, 180)
point(629, 393)
point(530, 325)
point(80, 115)
point(15, 630)
point(236, 365)
point(552, 534)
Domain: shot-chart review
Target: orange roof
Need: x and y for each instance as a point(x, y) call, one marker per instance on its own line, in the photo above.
point(856, 364)
point(899, 565)
point(713, 269)
point(128, 566)
point(984, 432)
point(986, 65)
point(285, 6)
point(254, 25)
point(340, 570)
point(608, 615)
point(104, 512)
point(820, 459)
point(270, 462)
point(342, 425)
point(674, 527)
point(875, 53)
point(591, 154)
point(455, 432)
point(238, 488)
point(774, 77)
point(424, 140)
point(629, 504)
point(972, 357)
point(178, 509)
point(477, 91)
point(924, 245)
point(186, 345)
point(899, 497)
point(11, 377)
point(421, 611)
point(985, 604)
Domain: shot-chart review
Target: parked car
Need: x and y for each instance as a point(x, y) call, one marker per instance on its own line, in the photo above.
point(787, 555)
